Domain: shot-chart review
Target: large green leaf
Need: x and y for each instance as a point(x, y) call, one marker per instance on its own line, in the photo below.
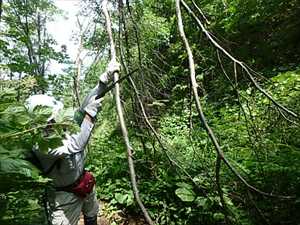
point(121, 198)
point(9, 165)
point(185, 194)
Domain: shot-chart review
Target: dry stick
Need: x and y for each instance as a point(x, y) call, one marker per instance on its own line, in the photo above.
point(226, 210)
point(251, 123)
point(157, 135)
point(78, 63)
point(201, 114)
point(97, 55)
point(196, 97)
point(284, 116)
point(145, 116)
point(121, 117)
point(257, 208)
point(122, 24)
point(136, 33)
point(161, 58)
point(200, 11)
point(235, 87)
point(240, 63)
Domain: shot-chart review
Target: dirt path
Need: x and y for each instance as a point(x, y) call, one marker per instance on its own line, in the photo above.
point(103, 221)
point(116, 219)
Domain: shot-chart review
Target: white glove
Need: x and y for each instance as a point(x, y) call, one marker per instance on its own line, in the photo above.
point(93, 106)
point(112, 67)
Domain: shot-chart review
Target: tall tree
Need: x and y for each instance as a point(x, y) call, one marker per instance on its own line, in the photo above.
point(27, 46)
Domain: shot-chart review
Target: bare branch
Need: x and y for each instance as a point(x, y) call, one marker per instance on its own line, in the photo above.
point(121, 117)
point(200, 11)
point(78, 63)
point(240, 63)
point(202, 118)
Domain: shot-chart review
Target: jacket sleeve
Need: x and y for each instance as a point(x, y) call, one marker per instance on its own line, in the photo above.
point(74, 143)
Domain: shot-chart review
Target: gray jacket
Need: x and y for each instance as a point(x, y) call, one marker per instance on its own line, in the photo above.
point(69, 159)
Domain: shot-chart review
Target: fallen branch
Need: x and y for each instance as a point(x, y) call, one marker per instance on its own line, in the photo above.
point(121, 117)
point(144, 114)
point(220, 153)
point(78, 63)
point(240, 63)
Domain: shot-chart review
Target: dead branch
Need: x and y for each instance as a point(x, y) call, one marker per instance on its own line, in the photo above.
point(200, 11)
point(78, 63)
point(152, 129)
point(240, 63)
point(235, 87)
point(121, 117)
point(136, 33)
point(202, 118)
point(260, 213)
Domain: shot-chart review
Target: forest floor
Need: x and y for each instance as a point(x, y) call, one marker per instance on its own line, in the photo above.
point(116, 219)
point(123, 221)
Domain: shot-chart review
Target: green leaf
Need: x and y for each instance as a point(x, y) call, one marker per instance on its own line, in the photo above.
point(42, 113)
point(201, 201)
point(121, 198)
point(54, 141)
point(184, 185)
point(7, 96)
point(129, 200)
point(9, 165)
point(185, 194)
point(65, 115)
point(218, 216)
point(23, 120)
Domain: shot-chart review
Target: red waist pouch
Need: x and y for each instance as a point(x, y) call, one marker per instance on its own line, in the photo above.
point(85, 185)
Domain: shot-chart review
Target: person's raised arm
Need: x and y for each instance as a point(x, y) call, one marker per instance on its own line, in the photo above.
point(88, 110)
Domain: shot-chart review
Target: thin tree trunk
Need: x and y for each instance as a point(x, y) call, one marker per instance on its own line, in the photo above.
point(78, 63)
point(121, 117)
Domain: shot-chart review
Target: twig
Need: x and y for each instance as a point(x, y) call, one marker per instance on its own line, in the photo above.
point(200, 11)
point(257, 209)
point(235, 87)
point(219, 189)
point(33, 129)
point(147, 121)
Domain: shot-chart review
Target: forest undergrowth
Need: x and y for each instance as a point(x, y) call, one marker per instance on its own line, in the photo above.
point(240, 59)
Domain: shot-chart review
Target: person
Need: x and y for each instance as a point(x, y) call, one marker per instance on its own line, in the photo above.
point(74, 187)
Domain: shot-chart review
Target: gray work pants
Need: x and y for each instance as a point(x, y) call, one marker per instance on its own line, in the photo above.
point(65, 207)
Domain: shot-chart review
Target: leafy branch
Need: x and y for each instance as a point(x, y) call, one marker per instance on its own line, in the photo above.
point(16, 134)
